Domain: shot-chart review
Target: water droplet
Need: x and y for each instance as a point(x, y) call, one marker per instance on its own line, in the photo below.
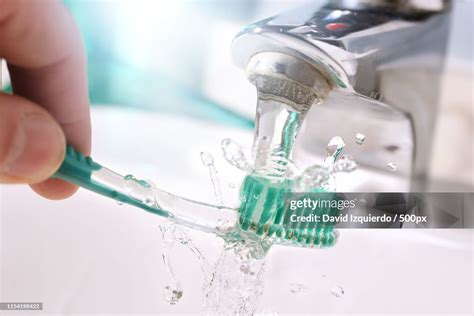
point(337, 291)
point(232, 185)
point(234, 154)
point(145, 184)
point(392, 166)
point(345, 164)
point(333, 150)
point(359, 138)
point(150, 183)
point(129, 177)
point(119, 203)
point(137, 189)
point(172, 295)
point(296, 287)
point(150, 201)
point(207, 159)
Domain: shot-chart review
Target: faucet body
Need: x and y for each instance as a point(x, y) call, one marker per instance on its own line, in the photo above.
point(384, 61)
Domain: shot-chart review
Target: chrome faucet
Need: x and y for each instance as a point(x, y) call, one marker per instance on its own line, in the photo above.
point(383, 60)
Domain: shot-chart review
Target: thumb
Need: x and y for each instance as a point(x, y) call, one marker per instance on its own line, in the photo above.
point(32, 144)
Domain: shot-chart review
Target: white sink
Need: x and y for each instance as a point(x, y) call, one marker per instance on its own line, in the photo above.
point(89, 255)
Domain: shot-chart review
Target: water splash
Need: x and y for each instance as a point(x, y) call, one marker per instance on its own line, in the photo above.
point(172, 235)
point(233, 285)
point(345, 164)
point(208, 161)
point(236, 284)
point(172, 292)
point(234, 154)
point(315, 176)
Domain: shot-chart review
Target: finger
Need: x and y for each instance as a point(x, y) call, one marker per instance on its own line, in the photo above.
point(31, 141)
point(44, 52)
point(45, 56)
point(55, 189)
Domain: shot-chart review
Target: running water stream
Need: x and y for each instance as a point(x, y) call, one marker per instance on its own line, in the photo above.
point(234, 283)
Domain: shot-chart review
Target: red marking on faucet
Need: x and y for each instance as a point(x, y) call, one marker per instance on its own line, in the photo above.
point(336, 26)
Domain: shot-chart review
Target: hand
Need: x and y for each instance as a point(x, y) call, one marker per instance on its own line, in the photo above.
point(49, 105)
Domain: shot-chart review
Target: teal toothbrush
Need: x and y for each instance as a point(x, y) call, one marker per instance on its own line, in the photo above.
point(264, 209)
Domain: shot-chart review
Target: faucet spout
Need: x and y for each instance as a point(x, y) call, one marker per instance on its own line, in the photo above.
point(287, 87)
point(383, 61)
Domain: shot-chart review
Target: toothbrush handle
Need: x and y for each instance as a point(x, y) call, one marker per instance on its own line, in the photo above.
point(79, 170)
point(86, 173)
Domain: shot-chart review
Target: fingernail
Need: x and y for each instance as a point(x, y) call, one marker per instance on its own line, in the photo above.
point(37, 148)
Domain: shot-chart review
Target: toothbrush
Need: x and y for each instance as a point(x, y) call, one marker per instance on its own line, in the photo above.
point(264, 210)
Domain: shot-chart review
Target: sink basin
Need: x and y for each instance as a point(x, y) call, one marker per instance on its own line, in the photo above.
point(90, 255)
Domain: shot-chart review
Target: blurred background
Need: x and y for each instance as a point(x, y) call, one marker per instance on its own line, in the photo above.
point(169, 56)
point(174, 56)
